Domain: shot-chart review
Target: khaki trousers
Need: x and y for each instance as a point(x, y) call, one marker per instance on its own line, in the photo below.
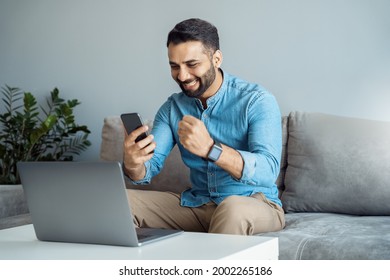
point(235, 215)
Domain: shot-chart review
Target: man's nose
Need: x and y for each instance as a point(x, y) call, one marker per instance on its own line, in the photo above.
point(183, 75)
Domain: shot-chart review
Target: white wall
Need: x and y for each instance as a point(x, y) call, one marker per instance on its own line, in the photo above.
point(325, 56)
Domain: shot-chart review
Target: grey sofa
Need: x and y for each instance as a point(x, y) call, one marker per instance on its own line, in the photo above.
point(13, 207)
point(334, 183)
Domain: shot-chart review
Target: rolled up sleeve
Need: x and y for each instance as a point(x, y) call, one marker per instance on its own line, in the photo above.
point(262, 161)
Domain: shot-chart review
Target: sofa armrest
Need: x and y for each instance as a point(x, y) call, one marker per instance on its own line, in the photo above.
point(13, 206)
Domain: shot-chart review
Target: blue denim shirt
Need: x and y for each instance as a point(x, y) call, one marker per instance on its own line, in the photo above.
point(241, 115)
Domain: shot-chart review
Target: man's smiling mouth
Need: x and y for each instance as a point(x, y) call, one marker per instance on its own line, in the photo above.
point(189, 84)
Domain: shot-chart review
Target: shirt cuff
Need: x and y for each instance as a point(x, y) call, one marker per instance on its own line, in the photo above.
point(249, 168)
point(145, 181)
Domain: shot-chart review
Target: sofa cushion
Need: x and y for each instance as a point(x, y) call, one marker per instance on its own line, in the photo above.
point(111, 148)
point(337, 164)
point(327, 236)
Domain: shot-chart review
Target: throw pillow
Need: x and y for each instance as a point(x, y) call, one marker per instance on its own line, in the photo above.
point(337, 164)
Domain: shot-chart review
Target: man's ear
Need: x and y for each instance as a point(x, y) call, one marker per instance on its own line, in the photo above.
point(217, 58)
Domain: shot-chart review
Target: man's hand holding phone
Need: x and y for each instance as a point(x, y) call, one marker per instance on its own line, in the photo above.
point(138, 147)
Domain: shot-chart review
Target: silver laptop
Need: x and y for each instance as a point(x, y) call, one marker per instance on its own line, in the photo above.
point(82, 202)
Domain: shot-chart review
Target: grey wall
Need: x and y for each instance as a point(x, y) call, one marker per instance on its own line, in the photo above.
point(325, 56)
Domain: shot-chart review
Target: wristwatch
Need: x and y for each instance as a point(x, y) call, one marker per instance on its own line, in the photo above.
point(215, 152)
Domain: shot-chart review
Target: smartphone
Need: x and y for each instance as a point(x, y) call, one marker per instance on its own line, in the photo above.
point(132, 121)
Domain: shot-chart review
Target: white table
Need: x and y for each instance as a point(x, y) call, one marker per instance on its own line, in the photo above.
point(21, 243)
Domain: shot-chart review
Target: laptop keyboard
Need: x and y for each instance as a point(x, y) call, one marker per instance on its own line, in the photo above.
point(143, 236)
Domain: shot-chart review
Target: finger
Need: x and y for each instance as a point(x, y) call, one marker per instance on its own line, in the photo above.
point(149, 149)
point(147, 157)
point(182, 128)
point(185, 126)
point(128, 142)
point(144, 142)
point(190, 119)
point(136, 154)
point(137, 132)
point(134, 148)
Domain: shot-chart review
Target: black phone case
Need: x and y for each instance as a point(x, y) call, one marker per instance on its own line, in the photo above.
point(132, 121)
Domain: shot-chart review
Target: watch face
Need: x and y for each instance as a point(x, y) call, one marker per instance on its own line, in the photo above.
point(215, 153)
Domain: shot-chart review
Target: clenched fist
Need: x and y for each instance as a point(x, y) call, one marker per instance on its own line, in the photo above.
point(194, 137)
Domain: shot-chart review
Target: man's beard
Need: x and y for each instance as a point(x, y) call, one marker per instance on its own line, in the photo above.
point(204, 83)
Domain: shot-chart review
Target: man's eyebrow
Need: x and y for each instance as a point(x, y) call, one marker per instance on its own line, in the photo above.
point(191, 61)
point(185, 62)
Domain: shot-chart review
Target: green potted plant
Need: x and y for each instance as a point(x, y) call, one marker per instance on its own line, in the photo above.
point(30, 134)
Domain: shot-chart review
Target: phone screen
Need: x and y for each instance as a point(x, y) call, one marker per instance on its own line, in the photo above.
point(132, 121)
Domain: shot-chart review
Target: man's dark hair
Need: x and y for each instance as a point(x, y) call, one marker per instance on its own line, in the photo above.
point(195, 29)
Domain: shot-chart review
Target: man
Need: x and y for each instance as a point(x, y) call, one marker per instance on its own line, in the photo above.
point(229, 135)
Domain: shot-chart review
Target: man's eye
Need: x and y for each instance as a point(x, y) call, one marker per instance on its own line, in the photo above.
point(192, 65)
